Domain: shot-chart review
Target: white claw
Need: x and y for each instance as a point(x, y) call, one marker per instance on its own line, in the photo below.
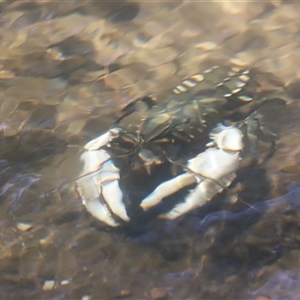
point(110, 189)
point(113, 197)
point(196, 198)
point(89, 191)
point(88, 188)
point(214, 163)
point(100, 178)
point(98, 210)
point(109, 171)
point(168, 188)
point(93, 160)
point(214, 169)
point(102, 140)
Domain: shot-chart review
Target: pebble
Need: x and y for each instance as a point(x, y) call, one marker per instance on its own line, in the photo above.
point(24, 226)
point(158, 293)
point(125, 293)
point(48, 285)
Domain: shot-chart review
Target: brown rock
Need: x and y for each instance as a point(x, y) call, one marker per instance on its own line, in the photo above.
point(125, 293)
point(158, 293)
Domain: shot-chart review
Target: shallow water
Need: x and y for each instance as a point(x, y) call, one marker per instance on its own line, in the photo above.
point(67, 70)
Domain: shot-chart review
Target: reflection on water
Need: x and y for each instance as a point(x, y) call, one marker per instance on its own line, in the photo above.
point(66, 71)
